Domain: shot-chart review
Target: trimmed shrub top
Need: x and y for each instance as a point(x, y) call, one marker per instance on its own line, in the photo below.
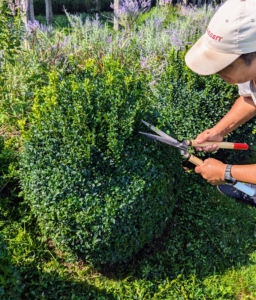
point(95, 185)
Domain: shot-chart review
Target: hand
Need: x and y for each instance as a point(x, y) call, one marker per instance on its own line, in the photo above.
point(209, 135)
point(212, 170)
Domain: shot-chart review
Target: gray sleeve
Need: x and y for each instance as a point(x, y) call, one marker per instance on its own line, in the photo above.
point(247, 89)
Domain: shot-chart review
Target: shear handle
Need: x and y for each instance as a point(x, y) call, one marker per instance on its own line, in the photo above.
point(193, 159)
point(222, 145)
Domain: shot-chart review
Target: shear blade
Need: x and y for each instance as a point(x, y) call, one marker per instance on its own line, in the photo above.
point(159, 132)
point(167, 141)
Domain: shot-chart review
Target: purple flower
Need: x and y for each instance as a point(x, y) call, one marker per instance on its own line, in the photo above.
point(96, 23)
point(129, 10)
point(144, 63)
point(176, 39)
point(34, 26)
point(158, 23)
point(109, 39)
point(65, 42)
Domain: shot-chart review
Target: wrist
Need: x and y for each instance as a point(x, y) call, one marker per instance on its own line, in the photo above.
point(219, 131)
point(223, 171)
point(228, 175)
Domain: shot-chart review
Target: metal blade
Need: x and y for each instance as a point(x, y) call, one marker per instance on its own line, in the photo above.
point(164, 140)
point(159, 132)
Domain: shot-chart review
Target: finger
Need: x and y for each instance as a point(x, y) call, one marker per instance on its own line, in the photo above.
point(198, 169)
point(203, 137)
point(210, 148)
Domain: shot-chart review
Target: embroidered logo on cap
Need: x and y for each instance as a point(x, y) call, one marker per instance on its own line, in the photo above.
point(213, 36)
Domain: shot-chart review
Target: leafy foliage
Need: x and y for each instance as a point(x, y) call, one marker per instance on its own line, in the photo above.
point(7, 158)
point(92, 181)
point(10, 28)
point(11, 32)
point(197, 103)
point(10, 285)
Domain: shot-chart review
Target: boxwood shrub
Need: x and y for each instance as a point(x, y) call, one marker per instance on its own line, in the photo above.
point(95, 185)
point(193, 103)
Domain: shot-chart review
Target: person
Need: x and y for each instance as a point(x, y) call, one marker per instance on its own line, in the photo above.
point(228, 48)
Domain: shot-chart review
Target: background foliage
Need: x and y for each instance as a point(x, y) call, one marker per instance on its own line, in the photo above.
point(10, 283)
point(74, 6)
point(10, 30)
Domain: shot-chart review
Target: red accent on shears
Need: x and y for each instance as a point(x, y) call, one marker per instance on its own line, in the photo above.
point(240, 146)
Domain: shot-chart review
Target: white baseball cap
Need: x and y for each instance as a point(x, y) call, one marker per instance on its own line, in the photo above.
point(230, 33)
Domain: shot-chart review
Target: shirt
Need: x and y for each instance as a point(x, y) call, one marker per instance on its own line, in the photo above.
point(247, 89)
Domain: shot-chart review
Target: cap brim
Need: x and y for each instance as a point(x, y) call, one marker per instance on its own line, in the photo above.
point(204, 61)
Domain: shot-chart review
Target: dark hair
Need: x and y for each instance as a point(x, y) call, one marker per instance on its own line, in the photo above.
point(248, 58)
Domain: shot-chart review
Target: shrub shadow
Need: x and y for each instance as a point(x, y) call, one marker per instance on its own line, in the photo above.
point(51, 286)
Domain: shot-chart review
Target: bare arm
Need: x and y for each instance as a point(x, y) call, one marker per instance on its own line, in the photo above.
point(245, 173)
point(213, 170)
point(243, 110)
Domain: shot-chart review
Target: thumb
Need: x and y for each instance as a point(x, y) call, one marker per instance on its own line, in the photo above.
point(205, 136)
point(201, 138)
point(197, 169)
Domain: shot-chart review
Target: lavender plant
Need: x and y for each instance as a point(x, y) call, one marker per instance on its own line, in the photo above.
point(35, 26)
point(146, 44)
point(129, 10)
point(156, 37)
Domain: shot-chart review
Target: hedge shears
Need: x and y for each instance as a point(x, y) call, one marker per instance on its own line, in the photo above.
point(183, 146)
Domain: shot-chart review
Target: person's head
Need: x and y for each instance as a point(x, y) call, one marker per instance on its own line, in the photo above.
point(229, 43)
point(241, 70)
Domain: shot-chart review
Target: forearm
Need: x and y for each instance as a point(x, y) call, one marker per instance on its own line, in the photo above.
point(244, 173)
point(243, 110)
